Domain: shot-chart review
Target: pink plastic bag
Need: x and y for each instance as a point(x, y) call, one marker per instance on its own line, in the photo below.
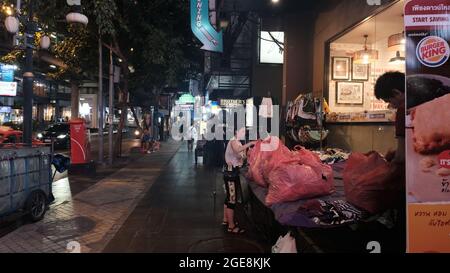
point(370, 183)
point(263, 158)
point(292, 181)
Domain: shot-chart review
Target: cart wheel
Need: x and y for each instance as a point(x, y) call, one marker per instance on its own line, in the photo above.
point(36, 206)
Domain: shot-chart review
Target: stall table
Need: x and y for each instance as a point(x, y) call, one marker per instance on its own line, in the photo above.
point(273, 221)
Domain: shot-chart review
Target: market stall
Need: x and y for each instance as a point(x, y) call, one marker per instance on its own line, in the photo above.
point(301, 189)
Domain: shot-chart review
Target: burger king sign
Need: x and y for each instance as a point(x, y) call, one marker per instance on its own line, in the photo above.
point(433, 51)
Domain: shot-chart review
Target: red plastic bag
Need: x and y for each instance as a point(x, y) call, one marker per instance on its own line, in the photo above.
point(278, 156)
point(307, 157)
point(292, 181)
point(370, 183)
point(264, 157)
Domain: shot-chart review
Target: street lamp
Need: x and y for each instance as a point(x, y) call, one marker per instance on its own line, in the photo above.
point(76, 16)
point(12, 25)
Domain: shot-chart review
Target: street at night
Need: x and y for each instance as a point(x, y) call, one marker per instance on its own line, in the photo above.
point(212, 135)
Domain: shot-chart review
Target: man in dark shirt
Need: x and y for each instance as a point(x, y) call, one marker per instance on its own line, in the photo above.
point(390, 87)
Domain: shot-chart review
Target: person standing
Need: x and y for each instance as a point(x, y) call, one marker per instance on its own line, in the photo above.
point(191, 136)
point(390, 87)
point(234, 158)
point(147, 133)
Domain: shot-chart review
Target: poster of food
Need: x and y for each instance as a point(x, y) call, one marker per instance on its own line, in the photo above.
point(350, 93)
point(427, 24)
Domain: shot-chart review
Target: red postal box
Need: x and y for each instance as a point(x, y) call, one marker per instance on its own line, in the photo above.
point(80, 148)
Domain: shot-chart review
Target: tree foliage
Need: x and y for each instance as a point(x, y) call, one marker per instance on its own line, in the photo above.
point(152, 39)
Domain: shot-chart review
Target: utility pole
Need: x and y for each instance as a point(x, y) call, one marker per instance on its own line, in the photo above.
point(28, 78)
point(111, 106)
point(18, 11)
point(100, 101)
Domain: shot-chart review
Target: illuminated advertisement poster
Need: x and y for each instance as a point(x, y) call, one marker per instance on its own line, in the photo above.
point(8, 87)
point(427, 25)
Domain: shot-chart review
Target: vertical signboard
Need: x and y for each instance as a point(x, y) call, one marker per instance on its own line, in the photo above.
point(202, 28)
point(427, 25)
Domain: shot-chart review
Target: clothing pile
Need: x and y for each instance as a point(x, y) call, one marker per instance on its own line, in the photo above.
point(321, 213)
point(305, 134)
point(336, 212)
point(289, 175)
point(333, 155)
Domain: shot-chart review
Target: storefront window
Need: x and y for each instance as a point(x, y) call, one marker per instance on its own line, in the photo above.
point(358, 58)
point(66, 113)
point(40, 89)
point(49, 113)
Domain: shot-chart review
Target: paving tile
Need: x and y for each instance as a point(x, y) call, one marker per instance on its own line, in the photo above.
point(117, 200)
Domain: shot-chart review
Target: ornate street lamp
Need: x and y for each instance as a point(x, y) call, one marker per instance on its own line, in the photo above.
point(76, 16)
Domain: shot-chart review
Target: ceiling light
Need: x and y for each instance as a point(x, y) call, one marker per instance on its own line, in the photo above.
point(275, 1)
point(398, 59)
point(366, 55)
point(396, 42)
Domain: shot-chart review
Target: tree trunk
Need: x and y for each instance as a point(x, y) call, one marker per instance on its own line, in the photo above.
point(75, 99)
point(123, 106)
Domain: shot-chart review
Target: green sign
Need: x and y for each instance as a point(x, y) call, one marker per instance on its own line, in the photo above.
point(186, 99)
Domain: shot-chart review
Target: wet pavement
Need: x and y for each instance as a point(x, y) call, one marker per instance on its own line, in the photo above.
point(64, 190)
point(87, 220)
point(160, 203)
point(181, 213)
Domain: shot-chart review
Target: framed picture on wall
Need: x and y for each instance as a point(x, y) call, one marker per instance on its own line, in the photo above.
point(350, 93)
point(340, 68)
point(360, 72)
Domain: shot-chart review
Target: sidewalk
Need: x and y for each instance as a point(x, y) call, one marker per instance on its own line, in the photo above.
point(92, 217)
point(182, 213)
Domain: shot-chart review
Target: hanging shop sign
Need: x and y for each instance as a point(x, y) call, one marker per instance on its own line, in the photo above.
point(428, 135)
point(202, 28)
point(230, 103)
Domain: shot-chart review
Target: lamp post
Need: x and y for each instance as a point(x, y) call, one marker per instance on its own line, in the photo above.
point(12, 24)
point(28, 77)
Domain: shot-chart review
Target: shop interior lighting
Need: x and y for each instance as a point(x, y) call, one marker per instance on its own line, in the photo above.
point(275, 1)
point(366, 55)
point(396, 42)
point(398, 59)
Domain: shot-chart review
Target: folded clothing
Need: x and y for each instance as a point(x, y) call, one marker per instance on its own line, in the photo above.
point(320, 213)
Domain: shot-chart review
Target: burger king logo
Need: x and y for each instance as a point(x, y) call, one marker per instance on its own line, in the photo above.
point(433, 51)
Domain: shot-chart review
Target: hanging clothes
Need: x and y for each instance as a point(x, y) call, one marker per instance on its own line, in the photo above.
point(303, 103)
